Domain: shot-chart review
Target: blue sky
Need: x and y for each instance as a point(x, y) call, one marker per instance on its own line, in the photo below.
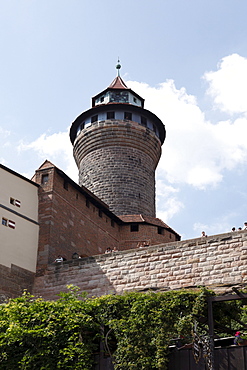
point(188, 60)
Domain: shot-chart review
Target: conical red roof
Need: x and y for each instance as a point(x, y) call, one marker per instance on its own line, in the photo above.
point(118, 83)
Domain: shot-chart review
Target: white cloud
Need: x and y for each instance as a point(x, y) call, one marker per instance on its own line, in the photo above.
point(167, 200)
point(57, 149)
point(218, 226)
point(197, 152)
point(4, 133)
point(168, 207)
point(228, 85)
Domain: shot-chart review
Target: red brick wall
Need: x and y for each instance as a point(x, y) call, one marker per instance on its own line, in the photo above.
point(13, 281)
point(68, 225)
point(129, 240)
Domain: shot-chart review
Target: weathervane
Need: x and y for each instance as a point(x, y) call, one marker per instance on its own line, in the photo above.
point(118, 66)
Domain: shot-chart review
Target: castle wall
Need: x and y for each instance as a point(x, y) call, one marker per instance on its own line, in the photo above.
point(218, 262)
point(13, 281)
point(72, 220)
point(145, 232)
point(69, 223)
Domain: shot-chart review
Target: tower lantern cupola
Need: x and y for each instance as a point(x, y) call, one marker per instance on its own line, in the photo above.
point(117, 146)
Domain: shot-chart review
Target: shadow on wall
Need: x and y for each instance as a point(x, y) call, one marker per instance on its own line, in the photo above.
point(177, 265)
point(86, 273)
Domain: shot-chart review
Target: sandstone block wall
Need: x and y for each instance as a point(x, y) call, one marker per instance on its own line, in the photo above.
point(218, 262)
point(117, 161)
point(13, 281)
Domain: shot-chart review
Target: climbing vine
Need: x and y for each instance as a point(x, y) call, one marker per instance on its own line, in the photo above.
point(138, 328)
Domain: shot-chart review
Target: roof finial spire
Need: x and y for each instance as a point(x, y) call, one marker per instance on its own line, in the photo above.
point(118, 66)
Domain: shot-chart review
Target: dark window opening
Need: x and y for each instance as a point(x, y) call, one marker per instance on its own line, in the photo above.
point(144, 121)
point(87, 203)
point(100, 213)
point(134, 227)
point(77, 196)
point(102, 99)
point(66, 185)
point(128, 115)
point(112, 223)
point(4, 221)
point(110, 115)
point(94, 118)
point(160, 230)
point(134, 99)
point(15, 202)
point(44, 179)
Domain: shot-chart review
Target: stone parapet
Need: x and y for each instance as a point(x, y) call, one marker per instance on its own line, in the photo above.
point(218, 262)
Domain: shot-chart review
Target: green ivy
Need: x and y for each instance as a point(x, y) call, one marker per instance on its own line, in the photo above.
point(138, 328)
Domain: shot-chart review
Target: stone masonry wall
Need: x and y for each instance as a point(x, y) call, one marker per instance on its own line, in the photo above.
point(218, 262)
point(13, 281)
point(69, 224)
point(117, 162)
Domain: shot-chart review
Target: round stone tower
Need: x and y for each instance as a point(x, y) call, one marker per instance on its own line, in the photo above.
point(117, 146)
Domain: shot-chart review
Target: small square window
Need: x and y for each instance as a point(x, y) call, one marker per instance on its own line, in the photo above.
point(44, 179)
point(12, 201)
point(4, 221)
point(134, 227)
point(66, 185)
point(160, 230)
point(144, 121)
point(128, 116)
point(102, 99)
point(110, 115)
point(94, 118)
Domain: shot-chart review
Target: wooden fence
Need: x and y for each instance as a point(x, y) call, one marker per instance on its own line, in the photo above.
point(230, 358)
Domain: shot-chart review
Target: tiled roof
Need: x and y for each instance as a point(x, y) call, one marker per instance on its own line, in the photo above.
point(146, 219)
point(118, 83)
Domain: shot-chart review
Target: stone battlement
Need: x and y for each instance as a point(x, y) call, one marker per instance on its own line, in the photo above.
point(218, 262)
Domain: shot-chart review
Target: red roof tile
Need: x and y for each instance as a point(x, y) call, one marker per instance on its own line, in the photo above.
point(145, 219)
point(118, 83)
